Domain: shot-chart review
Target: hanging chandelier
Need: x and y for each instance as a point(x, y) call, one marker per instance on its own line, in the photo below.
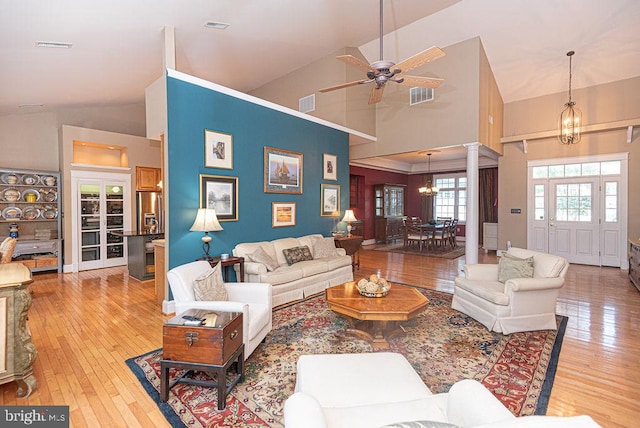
point(570, 117)
point(428, 189)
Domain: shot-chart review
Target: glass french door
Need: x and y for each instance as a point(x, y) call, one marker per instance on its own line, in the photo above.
point(101, 214)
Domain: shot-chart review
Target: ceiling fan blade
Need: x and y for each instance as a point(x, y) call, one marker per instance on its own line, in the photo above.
point(376, 94)
point(419, 59)
point(423, 82)
point(344, 85)
point(356, 62)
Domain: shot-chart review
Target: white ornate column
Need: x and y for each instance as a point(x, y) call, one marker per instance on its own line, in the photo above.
point(473, 194)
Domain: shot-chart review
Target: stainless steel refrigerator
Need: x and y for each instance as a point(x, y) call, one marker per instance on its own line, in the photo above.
point(149, 212)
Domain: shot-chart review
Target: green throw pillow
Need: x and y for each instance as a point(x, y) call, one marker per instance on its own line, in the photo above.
point(297, 254)
point(511, 267)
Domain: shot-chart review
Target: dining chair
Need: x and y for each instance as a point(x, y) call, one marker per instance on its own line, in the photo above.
point(441, 235)
point(6, 249)
point(414, 235)
point(452, 233)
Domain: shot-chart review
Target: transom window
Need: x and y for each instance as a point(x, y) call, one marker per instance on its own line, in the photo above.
point(577, 169)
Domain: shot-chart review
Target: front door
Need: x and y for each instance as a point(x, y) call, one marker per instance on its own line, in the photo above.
point(574, 220)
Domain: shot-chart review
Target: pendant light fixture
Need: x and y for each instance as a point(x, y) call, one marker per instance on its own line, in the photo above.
point(428, 189)
point(570, 118)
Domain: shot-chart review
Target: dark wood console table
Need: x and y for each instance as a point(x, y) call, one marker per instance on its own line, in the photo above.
point(351, 244)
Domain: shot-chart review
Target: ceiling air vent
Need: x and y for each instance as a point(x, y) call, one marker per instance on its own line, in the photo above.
point(307, 104)
point(420, 95)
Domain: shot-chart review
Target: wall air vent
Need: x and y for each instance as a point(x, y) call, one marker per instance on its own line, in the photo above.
point(420, 95)
point(307, 104)
point(216, 25)
point(62, 45)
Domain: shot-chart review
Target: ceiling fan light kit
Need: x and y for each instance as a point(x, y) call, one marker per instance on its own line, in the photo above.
point(570, 118)
point(382, 71)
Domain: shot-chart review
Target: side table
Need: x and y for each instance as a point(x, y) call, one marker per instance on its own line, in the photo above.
point(351, 244)
point(230, 261)
point(214, 347)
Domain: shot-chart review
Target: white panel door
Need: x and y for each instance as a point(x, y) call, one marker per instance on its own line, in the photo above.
point(574, 219)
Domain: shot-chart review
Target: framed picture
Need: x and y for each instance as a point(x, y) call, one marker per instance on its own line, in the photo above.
point(329, 200)
point(218, 150)
point(282, 171)
point(329, 166)
point(220, 193)
point(283, 214)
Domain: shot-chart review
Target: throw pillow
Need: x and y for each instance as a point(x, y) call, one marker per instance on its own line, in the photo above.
point(259, 255)
point(421, 424)
point(324, 247)
point(511, 267)
point(297, 254)
point(209, 286)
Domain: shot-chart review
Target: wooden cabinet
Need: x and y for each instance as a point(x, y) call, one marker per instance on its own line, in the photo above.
point(148, 179)
point(30, 204)
point(634, 262)
point(357, 228)
point(17, 351)
point(388, 211)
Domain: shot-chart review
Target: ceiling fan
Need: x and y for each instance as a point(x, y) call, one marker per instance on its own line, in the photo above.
point(382, 71)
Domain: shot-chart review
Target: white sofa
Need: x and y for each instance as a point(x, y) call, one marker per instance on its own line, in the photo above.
point(518, 304)
point(302, 279)
point(379, 389)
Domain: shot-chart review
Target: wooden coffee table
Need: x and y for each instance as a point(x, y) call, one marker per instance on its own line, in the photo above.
point(375, 319)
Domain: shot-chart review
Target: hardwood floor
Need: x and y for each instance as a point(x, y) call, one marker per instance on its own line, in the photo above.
point(86, 325)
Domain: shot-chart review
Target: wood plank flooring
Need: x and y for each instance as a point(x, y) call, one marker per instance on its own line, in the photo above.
point(86, 325)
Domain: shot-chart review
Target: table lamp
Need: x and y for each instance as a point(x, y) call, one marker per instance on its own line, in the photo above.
point(348, 218)
point(206, 221)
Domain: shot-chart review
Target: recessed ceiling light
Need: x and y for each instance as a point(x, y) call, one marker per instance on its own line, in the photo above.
point(62, 45)
point(216, 25)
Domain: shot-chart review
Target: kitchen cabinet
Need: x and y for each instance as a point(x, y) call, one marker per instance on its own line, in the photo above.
point(140, 249)
point(388, 211)
point(30, 203)
point(148, 179)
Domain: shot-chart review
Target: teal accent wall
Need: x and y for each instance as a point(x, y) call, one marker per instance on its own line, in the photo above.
point(191, 110)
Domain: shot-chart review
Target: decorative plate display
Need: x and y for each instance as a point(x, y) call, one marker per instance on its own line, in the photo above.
point(11, 213)
point(9, 178)
point(30, 179)
point(373, 286)
point(49, 180)
point(51, 214)
point(30, 213)
point(31, 192)
point(10, 195)
point(50, 196)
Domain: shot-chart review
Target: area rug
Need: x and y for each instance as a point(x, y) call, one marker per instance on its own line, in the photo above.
point(441, 252)
point(443, 346)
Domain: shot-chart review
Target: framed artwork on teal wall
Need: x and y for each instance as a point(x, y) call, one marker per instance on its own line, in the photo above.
point(283, 214)
point(220, 193)
point(218, 150)
point(282, 171)
point(329, 166)
point(330, 200)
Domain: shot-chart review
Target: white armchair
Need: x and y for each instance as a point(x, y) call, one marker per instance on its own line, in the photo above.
point(252, 299)
point(518, 304)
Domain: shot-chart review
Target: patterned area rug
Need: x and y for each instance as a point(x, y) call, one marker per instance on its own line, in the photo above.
point(443, 346)
point(442, 252)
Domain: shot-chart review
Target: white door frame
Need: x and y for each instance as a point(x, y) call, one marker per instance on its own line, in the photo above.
point(534, 227)
point(77, 176)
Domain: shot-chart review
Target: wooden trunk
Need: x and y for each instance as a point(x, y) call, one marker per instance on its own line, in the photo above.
point(204, 345)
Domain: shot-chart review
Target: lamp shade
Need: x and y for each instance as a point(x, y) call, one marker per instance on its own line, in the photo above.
point(349, 216)
point(206, 221)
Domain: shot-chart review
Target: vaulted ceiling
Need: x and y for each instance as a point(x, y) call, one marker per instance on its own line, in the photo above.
point(117, 45)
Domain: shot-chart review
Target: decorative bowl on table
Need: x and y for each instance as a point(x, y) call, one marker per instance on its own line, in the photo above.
point(373, 286)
